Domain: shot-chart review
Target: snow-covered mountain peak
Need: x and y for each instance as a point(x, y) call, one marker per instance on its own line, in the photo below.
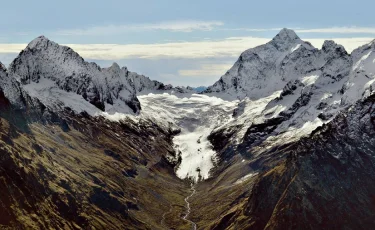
point(53, 73)
point(304, 87)
point(286, 35)
point(262, 70)
point(39, 41)
point(114, 71)
point(331, 46)
point(115, 66)
point(287, 39)
point(49, 70)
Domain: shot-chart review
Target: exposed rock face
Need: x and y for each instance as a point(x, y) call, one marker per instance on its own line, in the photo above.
point(138, 83)
point(16, 104)
point(11, 88)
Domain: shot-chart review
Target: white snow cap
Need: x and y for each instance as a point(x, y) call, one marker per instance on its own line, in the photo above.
point(115, 66)
point(308, 86)
point(48, 68)
point(330, 45)
point(286, 34)
point(41, 40)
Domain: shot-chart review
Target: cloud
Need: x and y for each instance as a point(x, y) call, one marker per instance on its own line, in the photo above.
point(199, 49)
point(174, 26)
point(328, 30)
point(251, 29)
point(12, 48)
point(195, 25)
point(7, 58)
point(229, 47)
point(339, 30)
point(206, 70)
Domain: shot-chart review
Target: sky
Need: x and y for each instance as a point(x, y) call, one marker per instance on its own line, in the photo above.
point(179, 42)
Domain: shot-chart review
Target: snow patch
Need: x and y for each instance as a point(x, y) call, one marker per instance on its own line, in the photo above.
point(245, 178)
point(51, 95)
point(309, 80)
point(295, 48)
point(363, 58)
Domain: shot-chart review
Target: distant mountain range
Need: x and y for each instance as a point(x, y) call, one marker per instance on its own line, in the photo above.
point(200, 89)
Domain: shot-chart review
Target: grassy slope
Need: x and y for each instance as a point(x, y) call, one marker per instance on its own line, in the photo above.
point(82, 178)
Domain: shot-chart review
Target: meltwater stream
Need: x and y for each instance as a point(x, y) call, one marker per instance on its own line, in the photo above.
point(196, 115)
point(188, 209)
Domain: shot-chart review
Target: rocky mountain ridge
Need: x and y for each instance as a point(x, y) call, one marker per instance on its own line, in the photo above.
point(295, 88)
point(44, 65)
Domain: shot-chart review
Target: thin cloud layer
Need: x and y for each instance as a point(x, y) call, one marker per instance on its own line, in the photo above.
point(198, 25)
point(328, 30)
point(229, 47)
point(174, 26)
point(201, 49)
point(206, 70)
point(339, 30)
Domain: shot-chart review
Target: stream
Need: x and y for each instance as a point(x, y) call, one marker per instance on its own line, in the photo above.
point(193, 224)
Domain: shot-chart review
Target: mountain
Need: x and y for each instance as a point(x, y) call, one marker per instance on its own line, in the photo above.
point(48, 69)
point(294, 88)
point(259, 71)
point(282, 141)
point(11, 88)
point(298, 142)
point(323, 181)
point(59, 77)
point(66, 170)
point(17, 106)
point(63, 165)
point(200, 89)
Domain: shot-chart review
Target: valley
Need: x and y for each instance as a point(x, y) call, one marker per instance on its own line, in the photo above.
point(282, 139)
